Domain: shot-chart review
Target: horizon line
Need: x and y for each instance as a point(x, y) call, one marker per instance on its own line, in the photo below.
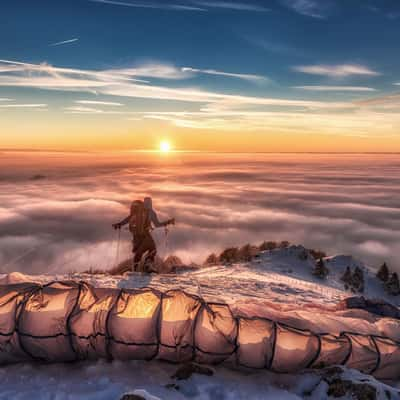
point(8, 149)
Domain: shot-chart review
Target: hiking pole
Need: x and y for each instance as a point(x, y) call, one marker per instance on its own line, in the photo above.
point(118, 243)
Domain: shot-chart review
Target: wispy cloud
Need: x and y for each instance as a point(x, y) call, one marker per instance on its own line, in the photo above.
point(64, 42)
point(163, 6)
point(230, 5)
point(391, 100)
point(117, 83)
point(91, 110)
point(23, 105)
point(5, 99)
point(152, 70)
point(336, 88)
point(336, 71)
point(248, 77)
point(100, 103)
point(310, 8)
point(191, 5)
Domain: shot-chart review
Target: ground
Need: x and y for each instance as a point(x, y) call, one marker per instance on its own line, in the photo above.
point(277, 283)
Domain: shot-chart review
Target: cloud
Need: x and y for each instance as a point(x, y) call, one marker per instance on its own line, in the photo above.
point(192, 5)
point(336, 88)
point(247, 77)
point(230, 5)
point(119, 82)
point(5, 99)
point(310, 8)
point(91, 110)
point(64, 221)
point(100, 103)
point(23, 105)
point(152, 70)
point(336, 71)
point(64, 42)
point(149, 5)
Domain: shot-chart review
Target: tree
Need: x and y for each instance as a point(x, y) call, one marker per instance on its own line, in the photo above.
point(358, 279)
point(383, 273)
point(347, 277)
point(320, 270)
point(392, 286)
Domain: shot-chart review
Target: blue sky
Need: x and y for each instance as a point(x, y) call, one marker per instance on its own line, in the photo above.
point(306, 50)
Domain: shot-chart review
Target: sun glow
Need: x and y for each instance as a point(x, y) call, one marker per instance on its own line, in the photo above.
point(165, 146)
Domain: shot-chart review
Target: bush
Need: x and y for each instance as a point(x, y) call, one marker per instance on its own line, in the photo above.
point(267, 246)
point(317, 254)
point(247, 252)
point(229, 255)
point(212, 259)
point(284, 244)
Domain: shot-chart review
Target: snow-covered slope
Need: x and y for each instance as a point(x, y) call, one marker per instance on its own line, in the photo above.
point(278, 284)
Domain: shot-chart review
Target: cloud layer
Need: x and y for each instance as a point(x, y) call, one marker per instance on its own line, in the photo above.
point(55, 218)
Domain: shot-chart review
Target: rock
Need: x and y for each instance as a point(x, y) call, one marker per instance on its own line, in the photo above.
point(187, 370)
point(360, 391)
point(374, 306)
point(340, 387)
point(132, 397)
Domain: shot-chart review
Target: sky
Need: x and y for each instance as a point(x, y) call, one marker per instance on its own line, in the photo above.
point(279, 75)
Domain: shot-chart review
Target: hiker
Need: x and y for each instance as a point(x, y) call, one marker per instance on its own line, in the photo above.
point(142, 220)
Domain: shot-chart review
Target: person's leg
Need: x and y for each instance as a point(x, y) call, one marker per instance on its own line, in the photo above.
point(138, 250)
point(148, 250)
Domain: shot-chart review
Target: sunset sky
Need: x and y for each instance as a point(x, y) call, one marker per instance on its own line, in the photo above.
point(283, 75)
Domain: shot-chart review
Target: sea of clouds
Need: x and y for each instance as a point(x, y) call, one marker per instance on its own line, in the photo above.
point(56, 209)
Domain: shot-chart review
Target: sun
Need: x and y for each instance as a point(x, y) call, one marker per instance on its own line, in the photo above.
point(165, 146)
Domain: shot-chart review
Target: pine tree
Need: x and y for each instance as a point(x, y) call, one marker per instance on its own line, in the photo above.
point(346, 277)
point(358, 279)
point(392, 286)
point(383, 273)
point(320, 270)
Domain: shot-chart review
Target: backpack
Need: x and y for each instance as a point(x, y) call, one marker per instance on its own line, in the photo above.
point(139, 222)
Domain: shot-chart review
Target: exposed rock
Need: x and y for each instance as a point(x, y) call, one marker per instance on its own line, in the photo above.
point(361, 391)
point(132, 397)
point(374, 306)
point(185, 371)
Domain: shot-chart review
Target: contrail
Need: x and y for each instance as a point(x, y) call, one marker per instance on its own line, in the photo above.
point(64, 42)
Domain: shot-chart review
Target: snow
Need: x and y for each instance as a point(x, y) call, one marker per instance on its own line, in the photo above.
point(277, 284)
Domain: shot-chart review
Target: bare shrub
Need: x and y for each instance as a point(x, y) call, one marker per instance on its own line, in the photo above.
point(247, 252)
point(212, 259)
point(267, 246)
point(317, 254)
point(229, 255)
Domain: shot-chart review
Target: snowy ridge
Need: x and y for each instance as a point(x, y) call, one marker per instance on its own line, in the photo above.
point(278, 284)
